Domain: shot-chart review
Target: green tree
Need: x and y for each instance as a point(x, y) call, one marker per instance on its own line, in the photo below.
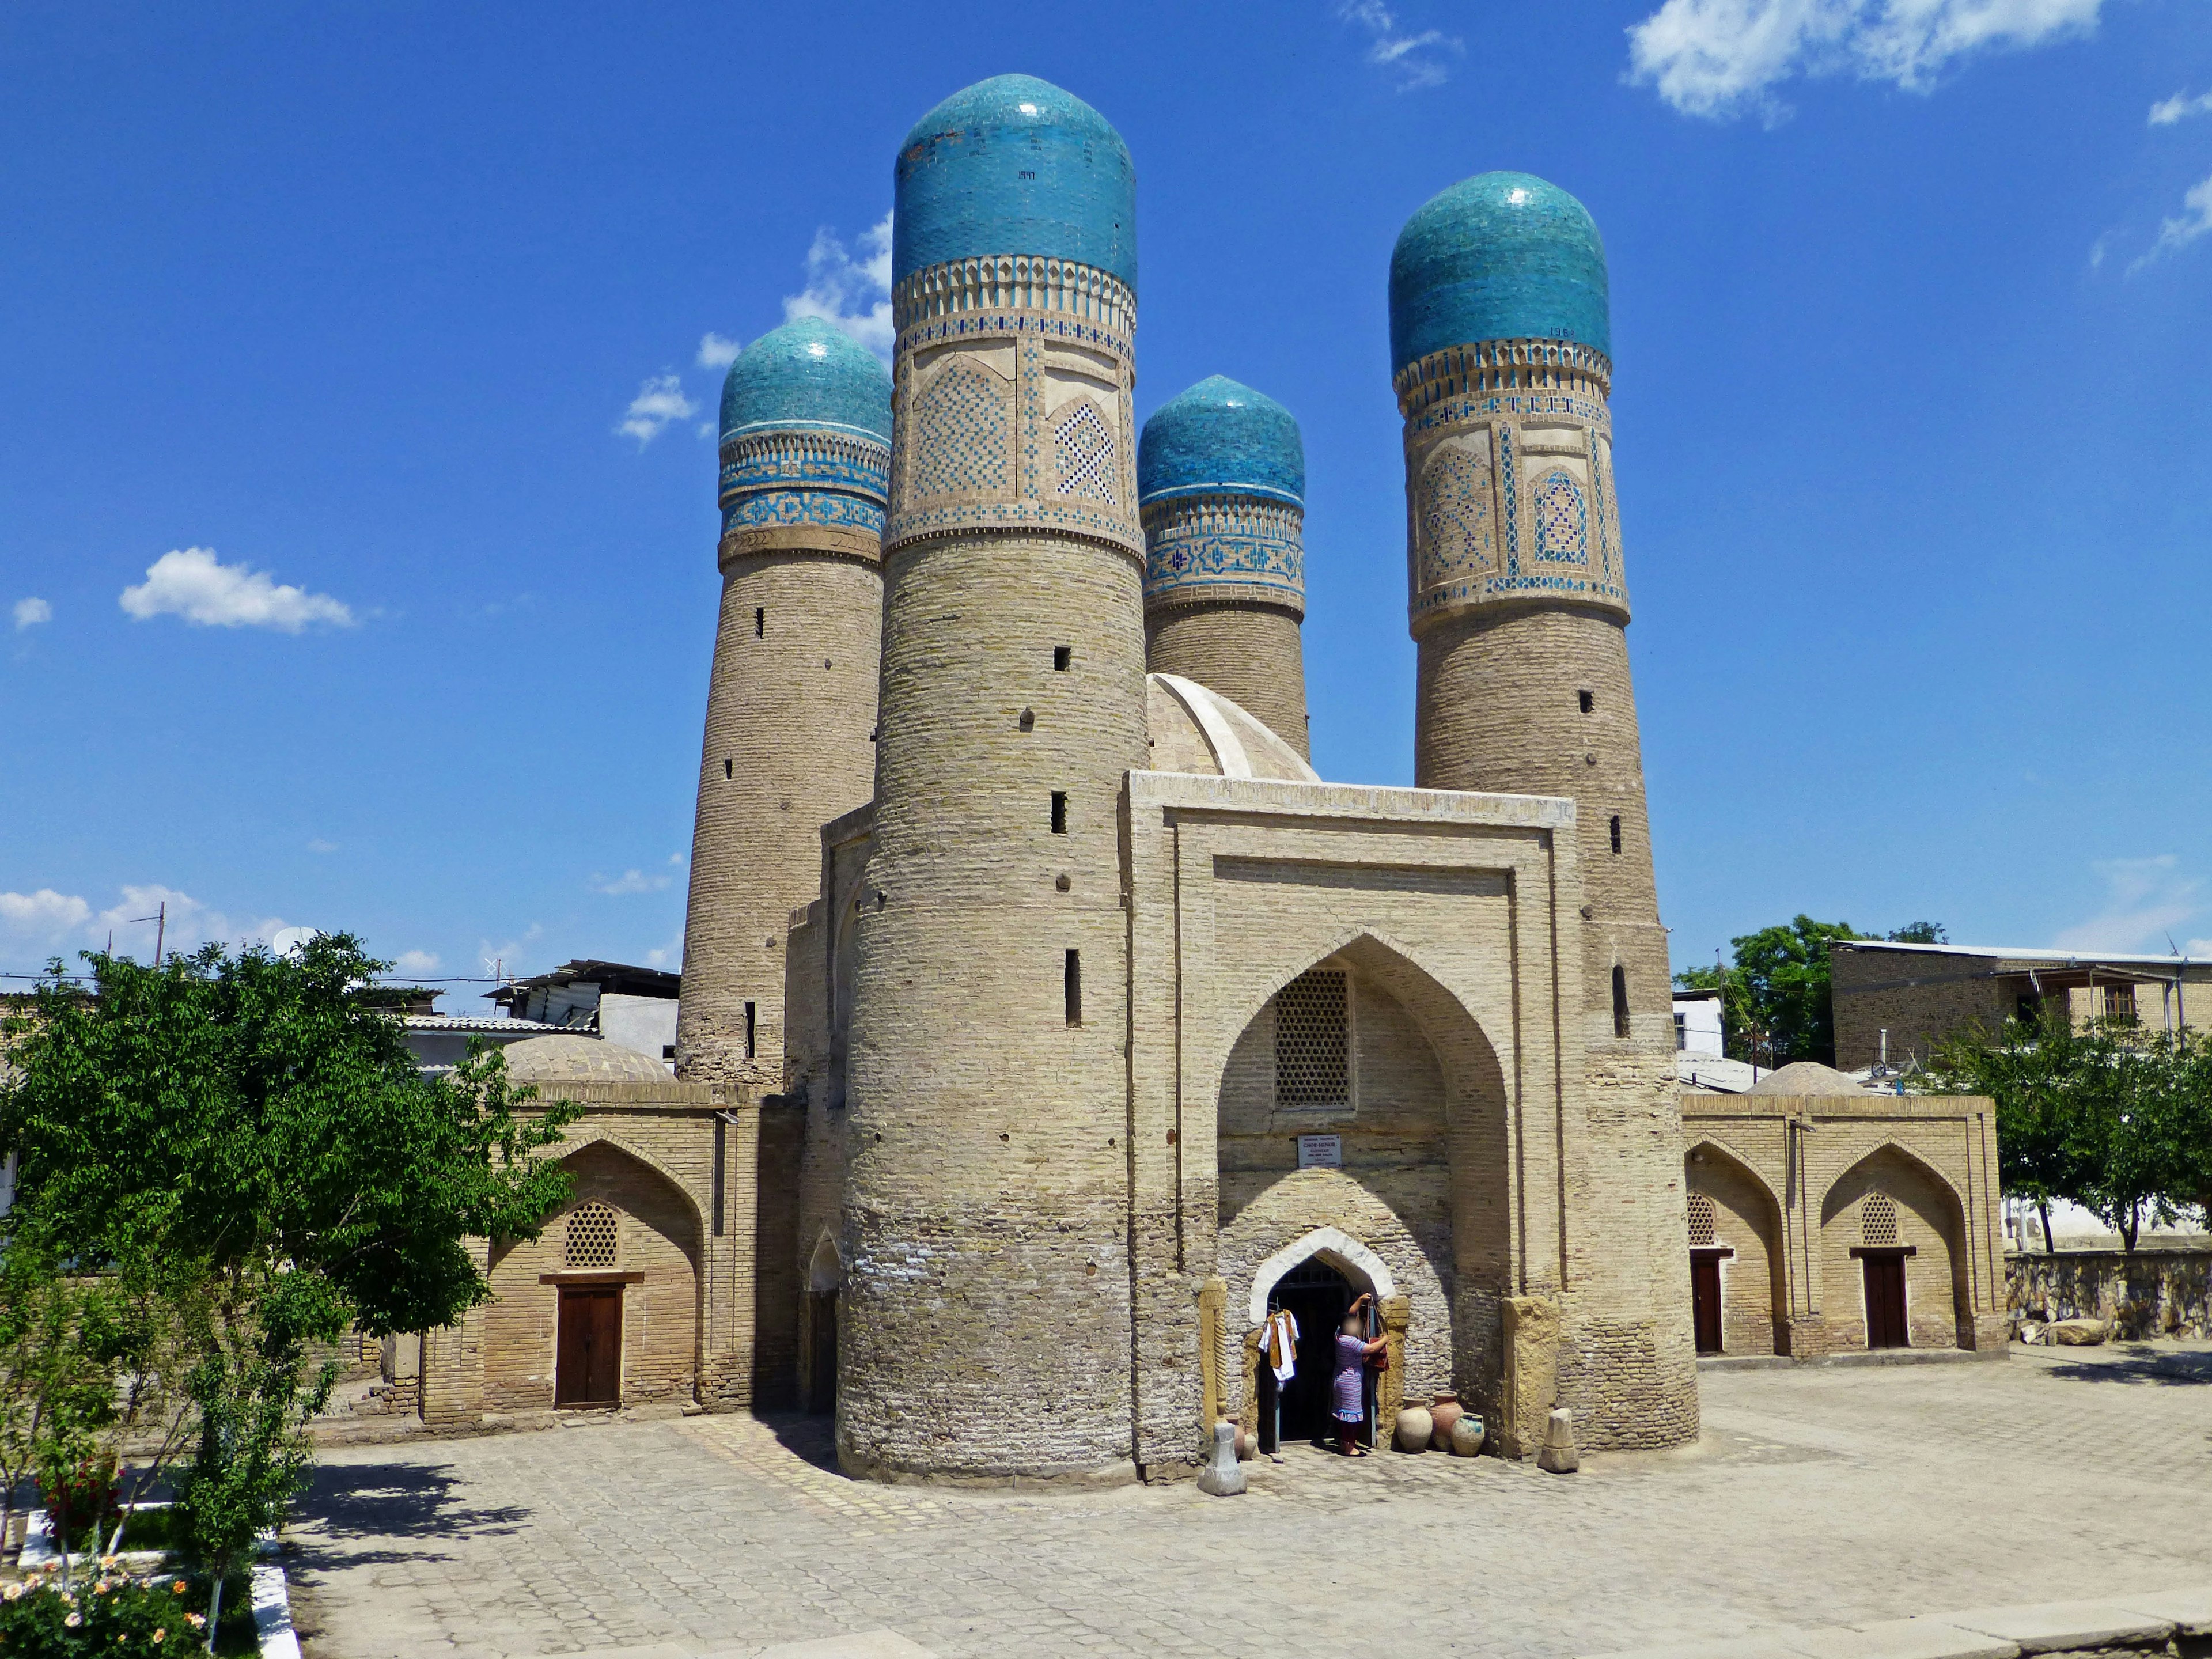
point(249, 1136)
point(1776, 1005)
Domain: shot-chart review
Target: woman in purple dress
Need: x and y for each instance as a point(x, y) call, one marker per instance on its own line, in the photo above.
point(1348, 1384)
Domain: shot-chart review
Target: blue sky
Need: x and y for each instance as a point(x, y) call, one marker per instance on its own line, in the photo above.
point(356, 512)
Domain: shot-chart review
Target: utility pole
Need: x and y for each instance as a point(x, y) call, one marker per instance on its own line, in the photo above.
point(160, 921)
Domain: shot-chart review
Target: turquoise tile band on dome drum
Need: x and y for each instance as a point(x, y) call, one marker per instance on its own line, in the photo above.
point(1221, 480)
point(1014, 165)
point(806, 421)
point(1502, 256)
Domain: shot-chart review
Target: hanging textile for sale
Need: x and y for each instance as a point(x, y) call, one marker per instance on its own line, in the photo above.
point(1280, 1342)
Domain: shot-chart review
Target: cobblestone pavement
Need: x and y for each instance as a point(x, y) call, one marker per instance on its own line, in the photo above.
point(1817, 1496)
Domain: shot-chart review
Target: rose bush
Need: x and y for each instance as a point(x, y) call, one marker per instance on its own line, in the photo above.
point(111, 1613)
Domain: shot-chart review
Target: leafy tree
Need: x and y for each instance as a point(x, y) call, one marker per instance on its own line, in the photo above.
point(2113, 1116)
point(1775, 1000)
point(248, 1138)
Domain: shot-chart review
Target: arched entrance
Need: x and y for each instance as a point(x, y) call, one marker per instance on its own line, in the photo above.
point(1738, 1296)
point(1892, 1236)
point(824, 1276)
point(1317, 1295)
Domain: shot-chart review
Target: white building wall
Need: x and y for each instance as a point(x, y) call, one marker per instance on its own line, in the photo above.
point(646, 1024)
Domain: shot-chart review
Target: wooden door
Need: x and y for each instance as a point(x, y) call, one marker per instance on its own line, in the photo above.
point(587, 1357)
point(821, 1389)
point(1885, 1301)
point(1705, 1301)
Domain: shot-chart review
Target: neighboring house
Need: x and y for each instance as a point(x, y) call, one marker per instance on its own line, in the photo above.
point(1897, 1002)
point(441, 1042)
point(1698, 1022)
point(633, 1006)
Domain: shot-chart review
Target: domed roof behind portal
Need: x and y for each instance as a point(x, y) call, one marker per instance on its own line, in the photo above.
point(807, 374)
point(564, 1059)
point(1805, 1077)
point(1502, 256)
point(1221, 436)
point(1014, 165)
point(1193, 728)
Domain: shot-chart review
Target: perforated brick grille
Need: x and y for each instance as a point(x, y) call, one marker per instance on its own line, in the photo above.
point(1878, 1219)
point(590, 1236)
point(1313, 1059)
point(1701, 1219)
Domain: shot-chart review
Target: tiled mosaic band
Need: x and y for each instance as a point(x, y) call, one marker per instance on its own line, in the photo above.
point(780, 480)
point(1508, 477)
point(1013, 403)
point(1212, 548)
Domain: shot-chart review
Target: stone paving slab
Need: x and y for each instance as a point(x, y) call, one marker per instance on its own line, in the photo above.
point(1906, 1638)
point(2055, 1626)
point(2190, 1610)
point(1819, 1497)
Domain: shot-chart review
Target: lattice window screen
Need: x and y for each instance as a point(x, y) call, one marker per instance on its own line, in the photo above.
point(1701, 1219)
point(1312, 1039)
point(1878, 1219)
point(590, 1241)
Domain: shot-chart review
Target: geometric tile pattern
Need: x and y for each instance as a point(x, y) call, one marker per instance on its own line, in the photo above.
point(1878, 1219)
point(1205, 541)
point(1701, 1220)
point(960, 435)
point(1085, 450)
point(1313, 1048)
point(1453, 510)
point(1562, 518)
point(590, 1236)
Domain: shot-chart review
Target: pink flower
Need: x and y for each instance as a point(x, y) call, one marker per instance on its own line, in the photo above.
point(194, 1620)
point(74, 1620)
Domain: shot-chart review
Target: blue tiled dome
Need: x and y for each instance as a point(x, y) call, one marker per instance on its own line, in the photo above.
point(1220, 436)
point(1014, 165)
point(1502, 256)
point(807, 374)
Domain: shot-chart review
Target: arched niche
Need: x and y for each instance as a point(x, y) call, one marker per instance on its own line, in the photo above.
point(1746, 1220)
point(1921, 1215)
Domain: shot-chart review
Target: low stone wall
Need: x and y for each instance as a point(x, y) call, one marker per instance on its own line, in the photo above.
point(2162, 1293)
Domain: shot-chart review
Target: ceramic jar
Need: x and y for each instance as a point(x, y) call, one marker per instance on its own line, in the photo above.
point(1466, 1437)
point(1248, 1443)
point(1415, 1426)
point(1444, 1413)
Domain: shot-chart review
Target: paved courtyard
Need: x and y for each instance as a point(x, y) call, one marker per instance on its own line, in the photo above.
point(1818, 1496)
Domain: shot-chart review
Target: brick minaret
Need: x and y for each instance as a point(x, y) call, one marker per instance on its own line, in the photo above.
point(1501, 357)
point(1221, 476)
point(984, 1326)
point(791, 702)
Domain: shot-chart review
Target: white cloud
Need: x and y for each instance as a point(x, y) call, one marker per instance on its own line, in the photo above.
point(29, 613)
point(631, 881)
point(1718, 57)
point(2180, 106)
point(1418, 60)
point(2194, 221)
point(658, 401)
point(417, 962)
point(44, 914)
point(319, 845)
point(718, 350)
point(852, 295)
point(2145, 900)
point(188, 582)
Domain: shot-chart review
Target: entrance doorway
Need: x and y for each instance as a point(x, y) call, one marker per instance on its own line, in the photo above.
point(1705, 1297)
point(822, 1379)
point(1885, 1299)
point(587, 1346)
point(1317, 1296)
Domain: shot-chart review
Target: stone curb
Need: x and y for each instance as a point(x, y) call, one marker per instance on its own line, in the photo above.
point(2120, 1624)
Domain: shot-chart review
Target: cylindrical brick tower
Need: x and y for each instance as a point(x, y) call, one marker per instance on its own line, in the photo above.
point(1501, 357)
point(1221, 482)
point(791, 702)
point(984, 1326)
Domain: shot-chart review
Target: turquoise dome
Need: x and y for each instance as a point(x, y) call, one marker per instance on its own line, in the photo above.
point(807, 374)
point(1014, 165)
point(1221, 436)
point(1502, 256)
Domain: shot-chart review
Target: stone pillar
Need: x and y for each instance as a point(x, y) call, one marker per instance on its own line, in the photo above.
point(985, 1321)
point(1221, 481)
point(791, 704)
point(1501, 342)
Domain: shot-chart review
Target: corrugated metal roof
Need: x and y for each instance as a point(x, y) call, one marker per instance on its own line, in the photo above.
point(2008, 953)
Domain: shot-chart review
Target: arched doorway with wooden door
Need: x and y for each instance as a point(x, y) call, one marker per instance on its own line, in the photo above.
point(826, 1275)
point(1893, 1234)
point(1739, 1295)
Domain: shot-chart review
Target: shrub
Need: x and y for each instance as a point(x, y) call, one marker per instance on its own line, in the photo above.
point(116, 1616)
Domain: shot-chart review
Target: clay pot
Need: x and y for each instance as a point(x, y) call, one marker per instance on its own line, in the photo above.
point(1466, 1437)
point(1248, 1443)
point(1446, 1412)
point(1415, 1426)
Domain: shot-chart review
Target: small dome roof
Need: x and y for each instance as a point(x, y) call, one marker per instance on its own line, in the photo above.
point(1221, 436)
point(1014, 165)
point(564, 1059)
point(1193, 728)
point(1502, 256)
point(1805, 1077)
point(807, 374)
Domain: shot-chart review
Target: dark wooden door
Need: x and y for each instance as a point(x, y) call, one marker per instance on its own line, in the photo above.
point(1885, 1301)
point(1705, 1301)
point(587, 1359)
point(821, 1389)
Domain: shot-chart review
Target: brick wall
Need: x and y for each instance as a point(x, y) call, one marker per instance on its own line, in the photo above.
point(1251, 654)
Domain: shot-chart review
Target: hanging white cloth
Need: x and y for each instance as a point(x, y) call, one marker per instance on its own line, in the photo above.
point(1278, 1342)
